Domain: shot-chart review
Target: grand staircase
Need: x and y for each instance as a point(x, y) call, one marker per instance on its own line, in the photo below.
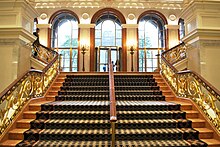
point(75, 112)
point(146, 119)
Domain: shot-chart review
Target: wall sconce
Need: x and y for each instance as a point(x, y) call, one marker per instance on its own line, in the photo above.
point(131, 46)
point(84, 49)
point(132, 49)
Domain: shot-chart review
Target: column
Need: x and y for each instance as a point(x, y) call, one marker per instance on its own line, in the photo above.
point(16, 25)
point(85, 41)
point(202, 34)
point(43, 34)
point(131, 38)
point(173, 32)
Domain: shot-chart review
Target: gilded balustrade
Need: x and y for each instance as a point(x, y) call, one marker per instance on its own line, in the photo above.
point(33, 83)
point(189, 84)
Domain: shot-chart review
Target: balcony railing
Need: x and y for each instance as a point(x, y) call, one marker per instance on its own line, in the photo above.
point(189, 84)
point(32, 84)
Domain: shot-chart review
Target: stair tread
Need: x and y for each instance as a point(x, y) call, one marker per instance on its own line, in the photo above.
point(196, 120)
point(10, 142)
point(18, 130)
point(119, 103)
point(30, 112)
point(191, 111)
point(211, 141)
point(39, 103)
point(118, 131)
point(25, 120)
point(182, 103)
point(46, 143)
point(203, 130)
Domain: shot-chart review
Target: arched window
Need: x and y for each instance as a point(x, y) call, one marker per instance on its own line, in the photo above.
point(108, 31)
point(64, 37)
point(35, 25)
point(181, 28)
point(151, 40)
point(108, 38)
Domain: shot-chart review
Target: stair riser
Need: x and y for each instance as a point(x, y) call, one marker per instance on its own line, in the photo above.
point(206, 135)
point(16, 136)
point(34, 108)
point(192, 115)
point(198, 124)
point(29, 116)
point(70, 126)
point(76, 137)
point(73, 116)
point(50, 98)
point(150, 116)
point(186, 107)
point(158, 136)
point(23, 125)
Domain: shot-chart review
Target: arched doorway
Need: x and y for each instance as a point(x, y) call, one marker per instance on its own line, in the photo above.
point(151, 40)
point(108, 34)
point(64, 38)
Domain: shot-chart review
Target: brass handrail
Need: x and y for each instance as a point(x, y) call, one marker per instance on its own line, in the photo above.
point(113, 116)
point(33, 83)
point(189, 84)
point(43, 53)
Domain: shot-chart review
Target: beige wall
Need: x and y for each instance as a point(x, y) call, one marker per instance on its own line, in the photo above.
point(210, 65)
point(203, 35)
point(16, 25)
point(8, 64)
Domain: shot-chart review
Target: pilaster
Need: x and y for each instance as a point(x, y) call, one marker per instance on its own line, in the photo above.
point(85, 41)
point(172, 35)
point(131, 40)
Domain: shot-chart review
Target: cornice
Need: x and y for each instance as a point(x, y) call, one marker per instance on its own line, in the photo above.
point(156, 4)
point(8, 33)
point(202, 34)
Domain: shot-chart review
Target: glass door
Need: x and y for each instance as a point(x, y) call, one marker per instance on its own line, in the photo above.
point(68, 59)
point(104, 52)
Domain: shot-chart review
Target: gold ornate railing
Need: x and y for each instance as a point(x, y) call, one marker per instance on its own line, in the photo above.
point(33, 83)
point(189, 84)
point(43, 53)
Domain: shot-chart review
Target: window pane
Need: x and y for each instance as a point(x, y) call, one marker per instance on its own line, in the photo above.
point(118, 34)
point(97, 33)
point(74, 63)
point(149, 62)
point(119, 42)
point(103, 56)
point(97, 42)
point(108, 33)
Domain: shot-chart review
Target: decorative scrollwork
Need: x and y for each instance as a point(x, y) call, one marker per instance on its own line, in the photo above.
point(188, 84)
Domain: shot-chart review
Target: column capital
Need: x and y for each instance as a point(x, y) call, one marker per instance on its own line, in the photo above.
point(130, 26)
point(172, 27)
point(86, 26)
point(43, 26)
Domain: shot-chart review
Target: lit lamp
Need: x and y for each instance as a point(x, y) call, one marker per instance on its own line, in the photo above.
point(132, 49)
point(83, 51)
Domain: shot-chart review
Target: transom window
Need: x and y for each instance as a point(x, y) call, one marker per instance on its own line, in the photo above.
point(108, 31)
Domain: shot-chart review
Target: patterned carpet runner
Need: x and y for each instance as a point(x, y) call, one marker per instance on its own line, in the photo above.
point(80, 116)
